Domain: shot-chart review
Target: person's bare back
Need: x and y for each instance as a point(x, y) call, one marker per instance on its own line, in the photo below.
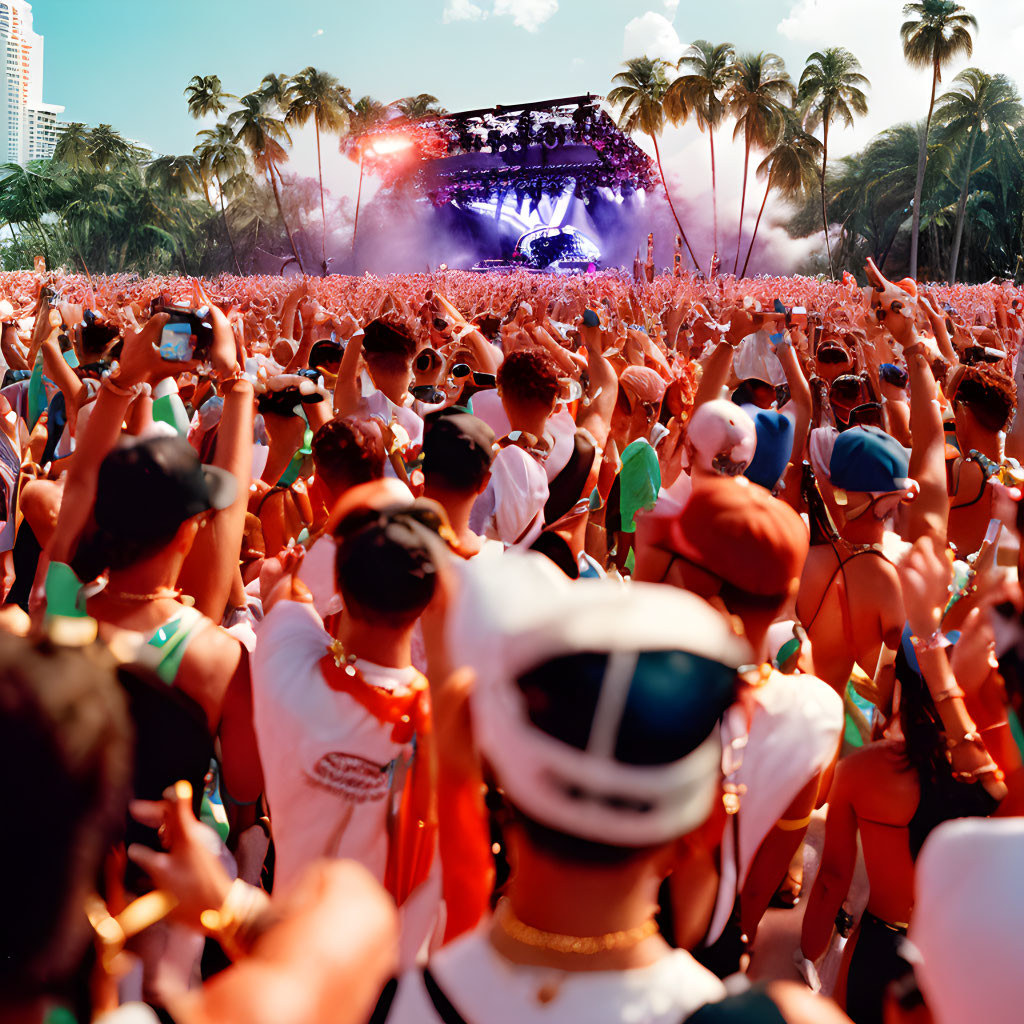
point(884, 793)
point(850, 604)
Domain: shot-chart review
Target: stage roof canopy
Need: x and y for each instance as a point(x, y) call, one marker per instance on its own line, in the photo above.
point(532, 149)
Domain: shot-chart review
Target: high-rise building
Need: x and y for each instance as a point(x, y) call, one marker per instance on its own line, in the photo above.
point(28, 127)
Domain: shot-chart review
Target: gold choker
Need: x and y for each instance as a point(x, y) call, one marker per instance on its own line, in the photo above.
point(556, 943)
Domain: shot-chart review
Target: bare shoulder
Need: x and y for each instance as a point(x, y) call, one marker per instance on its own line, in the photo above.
point(213, 656)
point(878, 782)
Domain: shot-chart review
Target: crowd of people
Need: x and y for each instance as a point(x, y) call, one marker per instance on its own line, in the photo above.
point(491, 647)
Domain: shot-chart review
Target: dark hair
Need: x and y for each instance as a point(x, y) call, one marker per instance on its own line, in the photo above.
point(100, 549)
point(385, 340)
point(942, 796)
point(450, 461)
point(384, 573)
point(65, 748)
point(529, 375)
point(348, 451)
point(571, 849)
point(990, 394)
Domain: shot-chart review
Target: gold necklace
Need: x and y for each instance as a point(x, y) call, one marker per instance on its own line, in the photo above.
point(557, 943)
point(161, 593)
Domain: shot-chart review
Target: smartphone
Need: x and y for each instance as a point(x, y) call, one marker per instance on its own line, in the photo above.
point(187, 335)
point(798, 317)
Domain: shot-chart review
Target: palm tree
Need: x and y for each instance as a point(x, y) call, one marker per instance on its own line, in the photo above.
point(179, 175)
point(205, 96)
point(640, 91)
point(264, 135)
point(364, 115)
point(108, 148)
point(978, 106)
point(274, 89)
point(757, 98)
point(221, 158)
point(830, 90)
point(791, 168)
point(421, 105)
point(73, 147)
point(700, 93)
point(317, 96)
point(936, 32)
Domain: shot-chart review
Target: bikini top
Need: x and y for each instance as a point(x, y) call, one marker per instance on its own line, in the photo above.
point(171, 640)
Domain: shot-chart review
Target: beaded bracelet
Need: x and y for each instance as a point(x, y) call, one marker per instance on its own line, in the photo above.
point(936, 642)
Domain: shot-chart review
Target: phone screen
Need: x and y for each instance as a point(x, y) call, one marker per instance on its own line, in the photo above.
point(177, 343)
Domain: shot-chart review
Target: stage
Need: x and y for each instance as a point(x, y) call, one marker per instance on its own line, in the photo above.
point(545, 186)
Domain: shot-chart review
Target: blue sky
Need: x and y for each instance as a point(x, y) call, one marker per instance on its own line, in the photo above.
point(126, 62)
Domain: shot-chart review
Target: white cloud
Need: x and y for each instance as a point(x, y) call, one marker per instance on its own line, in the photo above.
point(870, 30)
point(462, 10)
point(318, 32)
point(528, 14)
point(671, 7)
point(652, 35)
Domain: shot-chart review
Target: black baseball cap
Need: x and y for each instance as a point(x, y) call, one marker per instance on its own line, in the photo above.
point(148, 488)
point(325, 353)
point(455, 438)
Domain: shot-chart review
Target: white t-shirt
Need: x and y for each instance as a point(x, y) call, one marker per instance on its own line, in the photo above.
point(327, 762)
point(325, 757)
point(318, 575)
point(485, 988)
point(510, 508)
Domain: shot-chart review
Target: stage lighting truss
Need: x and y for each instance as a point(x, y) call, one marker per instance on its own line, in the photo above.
point(533, 149)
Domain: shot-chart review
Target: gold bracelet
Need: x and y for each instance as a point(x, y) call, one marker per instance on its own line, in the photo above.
point(236, 924)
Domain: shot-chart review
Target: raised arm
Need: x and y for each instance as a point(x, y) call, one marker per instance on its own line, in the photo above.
point(139, 360)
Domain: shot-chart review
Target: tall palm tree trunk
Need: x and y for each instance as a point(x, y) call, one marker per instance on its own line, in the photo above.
point(743, 203)
point(320, 174)
point(284, 221)
point(922, 163)
point(714, 186)
point(359, 199)
point(961, 210)
point(824, 201)
point(757, 224)
point(227, 229)
point(671, 205)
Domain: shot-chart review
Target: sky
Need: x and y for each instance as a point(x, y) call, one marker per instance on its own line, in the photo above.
point(126, 62)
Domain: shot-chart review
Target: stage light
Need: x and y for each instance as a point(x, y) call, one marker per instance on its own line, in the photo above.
point(390, 144)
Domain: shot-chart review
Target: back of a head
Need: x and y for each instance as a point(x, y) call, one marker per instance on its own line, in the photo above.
point(529, 376)
point(348, 451)
point(386, 563)
point(989, 394)
point(147, 488)
point(754, 543)
point(597, 708)
point(458, 450)
point(65, 749)
point(388, 342)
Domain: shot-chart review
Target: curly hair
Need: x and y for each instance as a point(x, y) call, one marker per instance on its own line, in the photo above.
point(348, 451)
point(529, 375)
point(990, 394)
